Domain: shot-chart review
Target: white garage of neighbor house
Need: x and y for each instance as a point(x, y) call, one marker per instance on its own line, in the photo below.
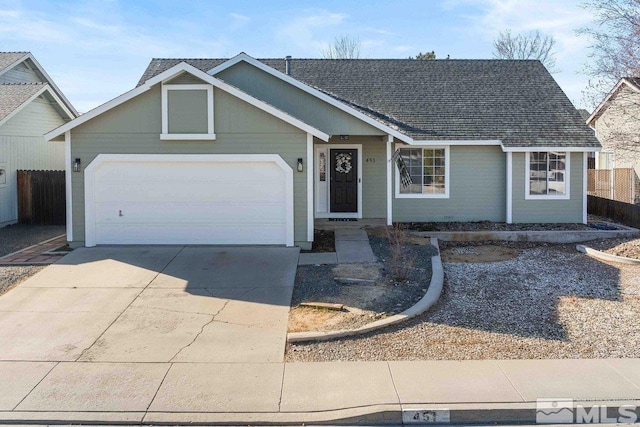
point(241, 151)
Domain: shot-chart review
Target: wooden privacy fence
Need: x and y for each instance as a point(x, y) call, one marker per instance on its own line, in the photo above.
point(618, 184)
point(41, 197)
point(625, 213)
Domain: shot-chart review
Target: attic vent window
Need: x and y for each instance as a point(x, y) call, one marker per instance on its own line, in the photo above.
point(187, 112)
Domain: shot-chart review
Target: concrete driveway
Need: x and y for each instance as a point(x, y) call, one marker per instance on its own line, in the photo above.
point(152, 304)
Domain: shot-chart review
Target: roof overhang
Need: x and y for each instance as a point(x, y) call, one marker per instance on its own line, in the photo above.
point(45, 89)
point(550, 148)
point(607, 100)
point(243, 57)
point(498, 143)
point(172, 72)
point(64, 102)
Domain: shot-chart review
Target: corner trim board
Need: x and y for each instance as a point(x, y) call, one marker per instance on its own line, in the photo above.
point(390, 169)
point(68, 185)
point(509, 215)
point(310, 195)
point(585, 185)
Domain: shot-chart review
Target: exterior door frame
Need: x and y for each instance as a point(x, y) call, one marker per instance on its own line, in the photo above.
point(327, 194)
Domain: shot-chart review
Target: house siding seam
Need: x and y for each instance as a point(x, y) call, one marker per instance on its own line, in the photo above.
point(134, 127)
point(548, 211)
point(476, 193)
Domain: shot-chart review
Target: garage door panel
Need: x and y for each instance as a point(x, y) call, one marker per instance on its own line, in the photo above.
point(198, 234)
point(211, 213)
point(190, 202)
point(225, 172)
point(210, 191)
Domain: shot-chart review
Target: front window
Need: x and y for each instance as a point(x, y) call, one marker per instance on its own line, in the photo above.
point(548, 173)
point(427, 168)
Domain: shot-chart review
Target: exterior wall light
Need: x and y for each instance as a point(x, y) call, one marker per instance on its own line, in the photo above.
point(76, 165)
point(300, 165)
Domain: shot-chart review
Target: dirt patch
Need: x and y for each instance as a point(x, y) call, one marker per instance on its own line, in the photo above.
point(323, 241)
point(369, 291)
point(303, 319)
point(485, 253)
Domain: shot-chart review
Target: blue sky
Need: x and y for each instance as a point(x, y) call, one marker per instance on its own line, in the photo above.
point(97, 50)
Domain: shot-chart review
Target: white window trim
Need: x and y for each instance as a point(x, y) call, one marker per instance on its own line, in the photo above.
point(447, 181)
point(567, 179)
point(165, 135)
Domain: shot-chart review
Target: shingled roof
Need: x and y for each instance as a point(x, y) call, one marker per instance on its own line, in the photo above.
point(515, 101)
point(8, 58)
point(13, 95)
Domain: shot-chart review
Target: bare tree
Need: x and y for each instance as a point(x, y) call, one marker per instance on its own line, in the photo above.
point(343, 47)
point(526, 46)
point(614, 55)
point(615, 45)
point(425, 56)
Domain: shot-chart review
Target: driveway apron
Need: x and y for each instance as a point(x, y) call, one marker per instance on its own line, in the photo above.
point(153, 304)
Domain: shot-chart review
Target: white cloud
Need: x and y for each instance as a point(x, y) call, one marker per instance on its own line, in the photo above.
point(310, 30)
point(238, 20)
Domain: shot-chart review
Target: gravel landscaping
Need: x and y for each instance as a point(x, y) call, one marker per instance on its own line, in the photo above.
point(628, 248)
point(11, 276)
point(593, 222)
point(545, 301)
point(19, 236)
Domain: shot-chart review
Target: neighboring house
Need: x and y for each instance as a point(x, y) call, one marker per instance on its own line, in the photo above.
point(246, 151)
point(30, 105)
point(616, 122)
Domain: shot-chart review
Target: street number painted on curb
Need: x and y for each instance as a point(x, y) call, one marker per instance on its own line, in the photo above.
point(426, 416)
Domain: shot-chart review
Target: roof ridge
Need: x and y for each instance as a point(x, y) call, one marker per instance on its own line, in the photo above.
point(350, 59)
point(17, 51)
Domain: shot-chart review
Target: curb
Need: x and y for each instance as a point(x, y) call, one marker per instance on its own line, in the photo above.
point(606, 256)
point(427, 301)
point(378, 414)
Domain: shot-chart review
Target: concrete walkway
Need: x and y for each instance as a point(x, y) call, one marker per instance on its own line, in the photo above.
point(352, 246)
point(38, 254)
point(338, 392)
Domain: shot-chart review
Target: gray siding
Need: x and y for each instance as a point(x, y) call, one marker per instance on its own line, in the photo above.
point(134, 127)
point(294, 101)
point(548, 211)
point(187, 110)
point(20, 74)
point(477, 190)
point(186, 79)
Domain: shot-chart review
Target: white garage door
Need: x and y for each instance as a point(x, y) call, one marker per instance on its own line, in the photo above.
point(189, 199)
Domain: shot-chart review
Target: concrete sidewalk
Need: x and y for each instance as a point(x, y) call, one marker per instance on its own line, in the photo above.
point(337, 392)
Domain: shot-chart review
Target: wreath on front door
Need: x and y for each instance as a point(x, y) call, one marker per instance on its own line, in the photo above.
point(343, 163)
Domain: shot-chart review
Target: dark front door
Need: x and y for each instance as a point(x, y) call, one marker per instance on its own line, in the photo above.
point(344, 180)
